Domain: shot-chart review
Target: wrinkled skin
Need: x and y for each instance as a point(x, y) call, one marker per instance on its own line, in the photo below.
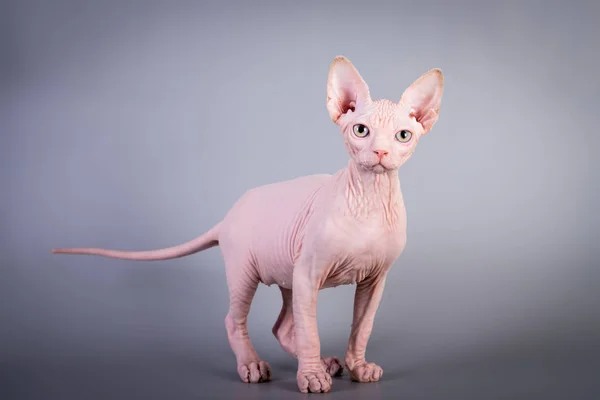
point(320, 231)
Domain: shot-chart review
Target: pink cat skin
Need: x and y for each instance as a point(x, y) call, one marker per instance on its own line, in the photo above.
point(320, 231)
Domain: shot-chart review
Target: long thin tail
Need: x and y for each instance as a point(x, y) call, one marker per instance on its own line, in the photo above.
point(203, 242)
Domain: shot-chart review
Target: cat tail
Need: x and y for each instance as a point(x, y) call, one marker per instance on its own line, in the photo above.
point(202, 242)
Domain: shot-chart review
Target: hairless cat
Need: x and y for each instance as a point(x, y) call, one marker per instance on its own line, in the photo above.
point(320, 231)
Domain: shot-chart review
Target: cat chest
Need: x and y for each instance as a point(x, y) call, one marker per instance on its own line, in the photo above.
point(361, 250)
point(366, 238)
point(358, 264)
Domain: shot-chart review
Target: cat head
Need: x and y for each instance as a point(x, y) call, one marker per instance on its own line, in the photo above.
point(380, 135)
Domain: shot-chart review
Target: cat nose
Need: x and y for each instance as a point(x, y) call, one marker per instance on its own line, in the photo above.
point(380, 153)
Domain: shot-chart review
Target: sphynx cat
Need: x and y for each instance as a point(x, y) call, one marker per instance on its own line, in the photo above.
point(320, 231)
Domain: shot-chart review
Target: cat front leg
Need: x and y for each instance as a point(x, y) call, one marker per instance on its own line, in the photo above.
point(366, 301)
point(312, 376)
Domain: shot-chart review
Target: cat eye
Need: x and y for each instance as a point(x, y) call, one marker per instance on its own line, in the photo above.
point(360, 130)
point(403, 136)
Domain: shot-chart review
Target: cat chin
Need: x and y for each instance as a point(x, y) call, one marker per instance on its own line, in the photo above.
point(378, 169)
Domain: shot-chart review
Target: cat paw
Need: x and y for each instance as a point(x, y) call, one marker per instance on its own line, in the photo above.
point(332, 366)
point(367, 372)
point(317, 381)
point(255, 372)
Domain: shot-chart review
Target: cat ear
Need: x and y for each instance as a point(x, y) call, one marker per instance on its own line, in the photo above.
point(423, 98)
point(346, 89)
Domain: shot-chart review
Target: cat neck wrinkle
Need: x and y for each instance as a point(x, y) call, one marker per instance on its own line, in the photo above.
point(371, 195)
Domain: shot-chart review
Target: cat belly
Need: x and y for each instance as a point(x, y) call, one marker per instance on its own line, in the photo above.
point(280, 274)
point(265, 226)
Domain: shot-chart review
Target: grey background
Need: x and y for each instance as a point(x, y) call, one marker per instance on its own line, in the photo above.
point(137, 124)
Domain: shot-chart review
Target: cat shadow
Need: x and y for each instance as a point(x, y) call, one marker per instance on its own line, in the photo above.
point(395, 375)
point(225, 374)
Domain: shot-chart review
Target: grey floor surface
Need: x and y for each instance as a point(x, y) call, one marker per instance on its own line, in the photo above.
point(533, 371)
